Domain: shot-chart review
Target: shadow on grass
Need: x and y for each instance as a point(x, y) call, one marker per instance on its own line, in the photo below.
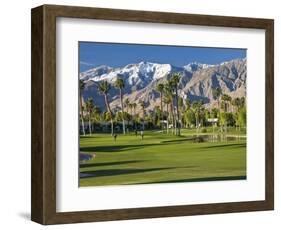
point(200, 179)
point(178, 140)
point(242, 145)
point(120, 148)
point(116, 172)
point(107, 163)
point(114, 148)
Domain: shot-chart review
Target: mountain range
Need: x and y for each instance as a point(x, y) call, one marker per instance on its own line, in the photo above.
point(196, 83)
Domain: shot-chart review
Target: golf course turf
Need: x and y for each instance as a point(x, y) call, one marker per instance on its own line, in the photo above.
point(159, 158)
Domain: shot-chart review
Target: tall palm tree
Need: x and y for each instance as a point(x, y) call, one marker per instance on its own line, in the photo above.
point(181, 109)
point(160, 89)
point(134, 118)
point(142, 104)
point(175, 82)
point(81, 86)
point(131, 109)
point(96, 115)
point(89, 108)
point(134, 108)
point(168, 87)
point(104, 88)
point(167, 101)
point(226, 98)
point(226, 101)
point(119, 84)
point(213, 114)
point(236, 102)
point(127, 102)
point(197, 107)
point(216, 95)
point(187, 111)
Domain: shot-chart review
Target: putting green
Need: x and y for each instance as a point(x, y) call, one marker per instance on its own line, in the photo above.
point(159, 158)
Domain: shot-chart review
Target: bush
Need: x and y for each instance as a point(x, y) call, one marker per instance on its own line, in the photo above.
point(204, 130)
point(199, 139)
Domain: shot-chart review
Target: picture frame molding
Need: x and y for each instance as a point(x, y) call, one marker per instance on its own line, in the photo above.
point(43, 96)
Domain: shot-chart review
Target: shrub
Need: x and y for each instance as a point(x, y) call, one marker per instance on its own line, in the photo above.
point(204, 130)
point(199, 139)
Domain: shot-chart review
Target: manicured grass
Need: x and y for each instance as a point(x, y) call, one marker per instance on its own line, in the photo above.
point(159, 158)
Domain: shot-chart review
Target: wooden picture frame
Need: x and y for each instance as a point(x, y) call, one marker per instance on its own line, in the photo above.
point(43, 208)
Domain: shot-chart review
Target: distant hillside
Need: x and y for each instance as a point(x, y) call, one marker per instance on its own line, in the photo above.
point(142, 78)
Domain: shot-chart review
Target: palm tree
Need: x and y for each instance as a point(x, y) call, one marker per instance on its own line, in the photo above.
point(160, 89)
point(197, 106)
point(131, 109)
point(181, 109)
point(127, 102)
point(119, 84)
point(168, 87)
point(168, 90)
point(89, 108)
point(142, 104)
point(104, 88)
point(81, 86)
point(134, 108)
point(202, 113)
point(187, 112)
point(216, 95)
point(175, 82)
point(226, 99)
point(96, 115)
point(236, 102)
point(213, 115)
point(167, 101)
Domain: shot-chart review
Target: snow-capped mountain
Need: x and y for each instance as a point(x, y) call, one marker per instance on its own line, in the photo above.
point(137, 75)
point(141, 79)
point(194, 66)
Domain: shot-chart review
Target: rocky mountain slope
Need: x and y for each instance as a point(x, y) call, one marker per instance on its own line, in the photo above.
point(141, 79)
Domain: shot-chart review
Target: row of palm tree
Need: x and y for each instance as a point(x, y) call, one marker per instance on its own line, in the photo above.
point(178, 111)
point(104, 87)
point(171, 98)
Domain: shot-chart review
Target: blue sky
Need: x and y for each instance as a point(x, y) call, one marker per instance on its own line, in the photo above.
point(92, 54)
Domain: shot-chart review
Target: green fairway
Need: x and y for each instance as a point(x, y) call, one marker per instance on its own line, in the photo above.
point(159, 158)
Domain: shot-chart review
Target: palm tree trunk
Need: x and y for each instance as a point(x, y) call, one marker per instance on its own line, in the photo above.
point(161, 107)
point(127, 120)
point(81, 114)
point(167, 118)
point(90, 128)
point(112, 128)
point(122, 108)
point(173, 117)
point(219, 114)
point(143, 120)
point(110, 113)
point(178, 115)
point(197, 125)
point(135, 122)
point(213, 131)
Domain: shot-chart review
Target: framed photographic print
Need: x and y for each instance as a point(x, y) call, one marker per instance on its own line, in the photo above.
point(148, 114)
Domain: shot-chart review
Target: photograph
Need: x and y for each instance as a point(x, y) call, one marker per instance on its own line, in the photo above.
point(153, 113)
